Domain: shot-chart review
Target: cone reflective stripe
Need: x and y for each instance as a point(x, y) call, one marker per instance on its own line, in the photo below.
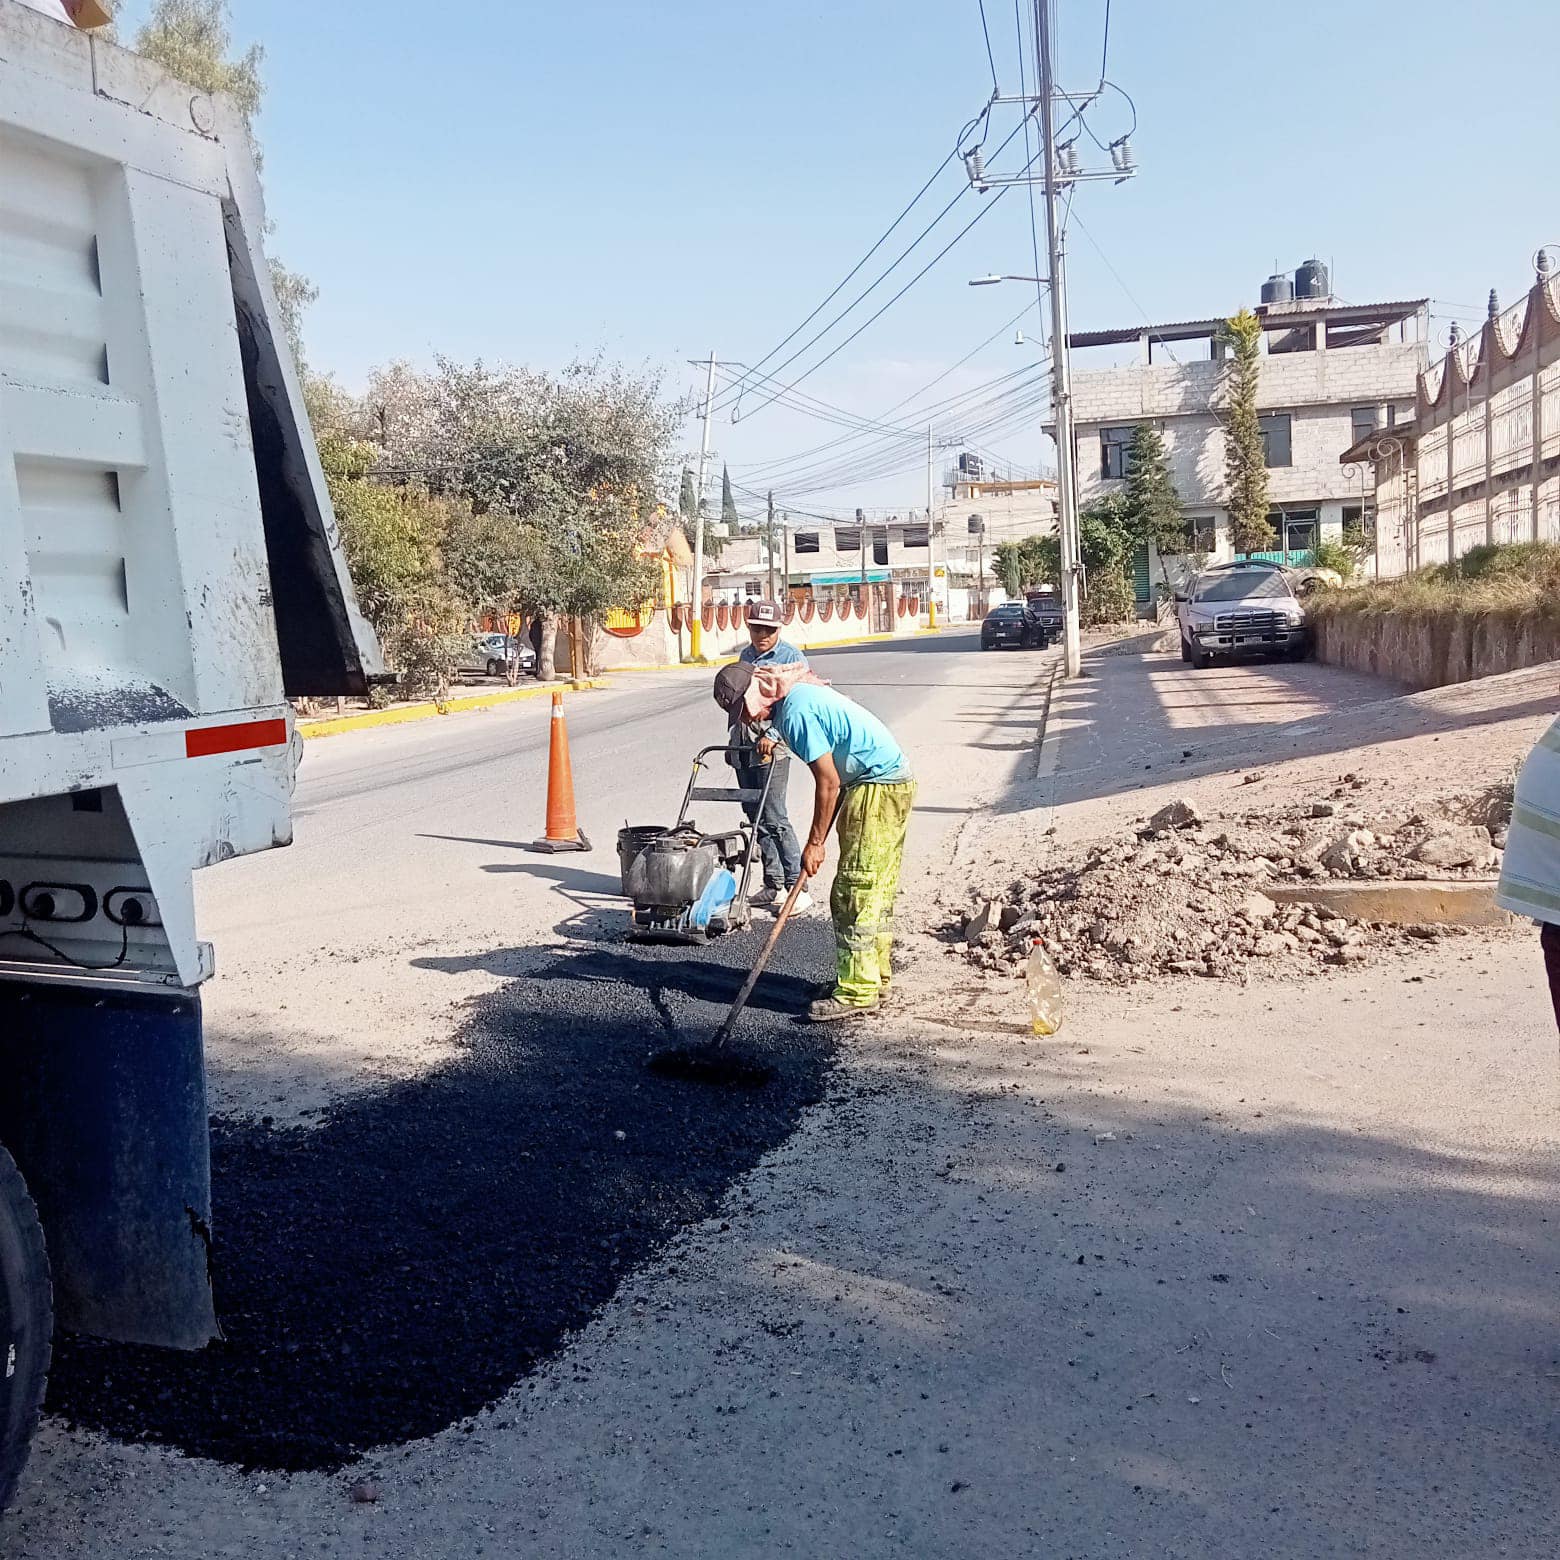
point(563, 833)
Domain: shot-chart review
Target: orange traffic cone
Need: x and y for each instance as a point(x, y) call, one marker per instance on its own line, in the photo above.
point(563, 833)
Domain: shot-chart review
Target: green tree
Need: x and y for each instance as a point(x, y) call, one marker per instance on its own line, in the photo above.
point(573, 461)
point(1027, 562)
point(1153, 505)
point(393, 538)
point(728, 505)
point(1245, 467)
point(693, 513)
point(192, 39)
point(1107, 540)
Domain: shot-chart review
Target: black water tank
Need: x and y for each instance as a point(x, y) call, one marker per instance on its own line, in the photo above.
point(1311, 280)
point(1278, 289)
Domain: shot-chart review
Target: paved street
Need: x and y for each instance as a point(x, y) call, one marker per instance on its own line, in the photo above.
point(1220, 1269)
point(409, 886)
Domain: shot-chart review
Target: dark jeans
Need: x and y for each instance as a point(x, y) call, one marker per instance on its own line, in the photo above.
point(1549, 938)
point(778, 846)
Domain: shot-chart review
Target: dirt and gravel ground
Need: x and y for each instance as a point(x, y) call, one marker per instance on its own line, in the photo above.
point(1214, 1270)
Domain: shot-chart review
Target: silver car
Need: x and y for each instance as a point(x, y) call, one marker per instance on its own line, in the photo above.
point(1245, 608)
point(489, 655)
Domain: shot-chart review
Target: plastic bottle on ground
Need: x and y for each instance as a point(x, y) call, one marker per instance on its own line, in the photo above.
point(1043, 988)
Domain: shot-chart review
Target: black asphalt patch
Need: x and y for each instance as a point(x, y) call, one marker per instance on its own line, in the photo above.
point(390, 1272)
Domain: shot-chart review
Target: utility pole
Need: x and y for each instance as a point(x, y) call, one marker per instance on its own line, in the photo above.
point(931, 542)
point(1061, 379)
point(769, 547)
point(785, 542)
point(696, 627)
point(861, 536)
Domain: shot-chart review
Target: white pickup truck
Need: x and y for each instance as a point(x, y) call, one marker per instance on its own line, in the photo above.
point(170, 574)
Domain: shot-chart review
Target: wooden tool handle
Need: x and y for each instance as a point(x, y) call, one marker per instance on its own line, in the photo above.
point(724, 1032)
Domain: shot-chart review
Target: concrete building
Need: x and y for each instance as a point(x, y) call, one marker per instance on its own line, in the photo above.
point(897, 556)
point(821, 560)
point(1330, 373)
point(1480, 460)
point(980, 513)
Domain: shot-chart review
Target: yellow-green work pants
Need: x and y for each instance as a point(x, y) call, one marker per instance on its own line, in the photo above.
point(872, 827)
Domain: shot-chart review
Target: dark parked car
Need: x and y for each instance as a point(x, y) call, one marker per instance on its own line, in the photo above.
point(1012, 624)
point(1047, 608)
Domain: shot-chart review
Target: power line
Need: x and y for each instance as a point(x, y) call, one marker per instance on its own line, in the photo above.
point(921, 415)
point(876, 283)
point(975, 406)
point(996, 90)
point(834, 351)
point(881, 240)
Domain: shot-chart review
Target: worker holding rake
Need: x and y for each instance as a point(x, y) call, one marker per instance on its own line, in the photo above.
point(861, 779)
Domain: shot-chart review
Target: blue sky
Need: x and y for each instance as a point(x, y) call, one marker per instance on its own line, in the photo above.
point(525, 182)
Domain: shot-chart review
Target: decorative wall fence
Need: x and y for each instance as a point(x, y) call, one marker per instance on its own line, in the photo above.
point(1481, 461)
point(808, 625)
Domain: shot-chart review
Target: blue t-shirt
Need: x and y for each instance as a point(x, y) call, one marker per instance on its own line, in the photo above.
point(815, 720)
point(782, 655)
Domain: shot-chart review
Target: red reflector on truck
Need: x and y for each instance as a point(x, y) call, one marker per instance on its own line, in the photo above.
point(234, 739)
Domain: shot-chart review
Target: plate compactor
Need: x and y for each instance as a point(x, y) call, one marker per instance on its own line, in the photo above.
point(687, 886)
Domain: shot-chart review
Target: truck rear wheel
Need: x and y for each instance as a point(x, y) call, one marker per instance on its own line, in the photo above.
point(26, 1323)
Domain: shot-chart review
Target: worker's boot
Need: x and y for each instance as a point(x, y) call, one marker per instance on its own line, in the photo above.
point(830, 1010)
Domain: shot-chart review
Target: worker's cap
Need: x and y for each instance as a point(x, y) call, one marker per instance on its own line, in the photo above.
point(731, 685)
point(763, 614)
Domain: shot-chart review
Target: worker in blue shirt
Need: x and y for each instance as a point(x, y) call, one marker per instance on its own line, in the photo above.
point(863, 788)
point(759, 750)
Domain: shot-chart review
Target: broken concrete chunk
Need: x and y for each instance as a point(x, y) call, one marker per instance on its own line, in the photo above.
point(1323, 809)
point(1180, 814)
point(976, 923)
point(1465, 846)
point(1256, 907)
point(1008, 917)
point(1270, 944)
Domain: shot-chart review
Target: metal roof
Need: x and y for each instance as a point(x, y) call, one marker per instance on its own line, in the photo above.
point(1365, 448)
point(1284, 317)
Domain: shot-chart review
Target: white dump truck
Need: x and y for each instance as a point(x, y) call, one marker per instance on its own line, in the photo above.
point(170, 575)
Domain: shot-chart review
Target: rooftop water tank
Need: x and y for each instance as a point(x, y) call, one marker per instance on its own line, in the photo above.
point(1311, 280)
point(1278, 289)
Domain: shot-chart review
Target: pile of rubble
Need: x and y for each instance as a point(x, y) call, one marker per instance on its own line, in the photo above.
point(1191, 895)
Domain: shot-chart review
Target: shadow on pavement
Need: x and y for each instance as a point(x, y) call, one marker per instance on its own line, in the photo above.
point(402, 1264)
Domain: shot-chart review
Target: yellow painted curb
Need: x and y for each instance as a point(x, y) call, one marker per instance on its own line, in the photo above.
point(330, 725)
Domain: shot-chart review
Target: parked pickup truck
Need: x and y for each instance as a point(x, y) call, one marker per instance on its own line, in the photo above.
point(170, 576)
point(1239, 609)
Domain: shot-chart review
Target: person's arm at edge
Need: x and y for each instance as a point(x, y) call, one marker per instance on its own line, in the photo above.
point(826, 793)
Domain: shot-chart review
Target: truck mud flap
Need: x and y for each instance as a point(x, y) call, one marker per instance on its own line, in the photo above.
point(103, 1108)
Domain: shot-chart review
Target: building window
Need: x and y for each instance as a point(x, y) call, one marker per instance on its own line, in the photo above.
point(1295, 530)
point(1363, 421)
point(805, 541)
point(1204, 533)
point(1359, 525)
point(880, 547)
point(916, 536)
point(977, 526)
point(847, 538)
point(1274, 429)
point(1114, 444)
point(754, 588)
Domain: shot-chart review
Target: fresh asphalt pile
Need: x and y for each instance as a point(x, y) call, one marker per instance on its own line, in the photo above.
point(389, 1272)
